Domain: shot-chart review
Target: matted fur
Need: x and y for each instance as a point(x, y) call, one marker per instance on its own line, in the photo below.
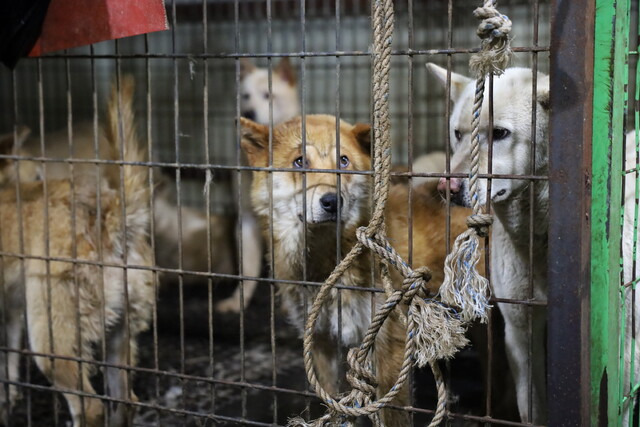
point(71, 308)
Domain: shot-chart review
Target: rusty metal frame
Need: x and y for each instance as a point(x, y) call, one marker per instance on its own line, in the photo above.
point(570, 133)
point(181, 169)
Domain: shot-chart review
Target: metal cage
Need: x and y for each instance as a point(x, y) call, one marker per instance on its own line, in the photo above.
point(198, 366)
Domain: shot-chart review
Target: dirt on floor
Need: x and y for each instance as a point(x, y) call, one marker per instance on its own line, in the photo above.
point(249, 377)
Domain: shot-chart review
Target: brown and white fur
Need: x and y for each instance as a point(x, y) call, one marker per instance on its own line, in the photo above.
point(263, 104)
point(72, 308)
point(188, 228)
point(294, 261)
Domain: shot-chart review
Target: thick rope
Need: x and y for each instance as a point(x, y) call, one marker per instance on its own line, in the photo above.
point(435, 328)
point(360, 401)
point(463, 286)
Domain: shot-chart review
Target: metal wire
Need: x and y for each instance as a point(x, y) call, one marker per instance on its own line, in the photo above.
point(329, 61)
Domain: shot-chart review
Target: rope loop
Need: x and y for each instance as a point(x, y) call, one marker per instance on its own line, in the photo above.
point(435, 329)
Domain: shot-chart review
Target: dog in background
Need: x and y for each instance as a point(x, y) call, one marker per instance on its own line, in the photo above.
point(72, 308)
point(260, 103)
point(325, 204)
point(193, 222)
point(11, 144)
point(510, 267)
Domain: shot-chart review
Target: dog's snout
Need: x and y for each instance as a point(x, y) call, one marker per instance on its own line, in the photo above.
point(454, 185)
point(329, 202)
point(249, 114)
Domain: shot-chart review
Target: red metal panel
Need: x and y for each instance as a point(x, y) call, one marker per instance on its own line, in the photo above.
point(72, 23)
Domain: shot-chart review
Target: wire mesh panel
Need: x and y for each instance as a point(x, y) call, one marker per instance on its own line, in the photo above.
point(245, 218)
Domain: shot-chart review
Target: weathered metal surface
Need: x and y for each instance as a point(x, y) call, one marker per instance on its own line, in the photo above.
point(569, 225)
point(610, 82)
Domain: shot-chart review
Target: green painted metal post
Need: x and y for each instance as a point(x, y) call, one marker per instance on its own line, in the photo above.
point(610, 82)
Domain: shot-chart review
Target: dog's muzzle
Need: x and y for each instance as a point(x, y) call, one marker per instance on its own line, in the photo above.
point(249, 114)
point(329, 203)
point(456, 193)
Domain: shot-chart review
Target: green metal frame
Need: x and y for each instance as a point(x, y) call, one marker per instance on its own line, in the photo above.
point(611, 51)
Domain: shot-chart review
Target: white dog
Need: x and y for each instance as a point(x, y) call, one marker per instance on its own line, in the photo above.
point(510, 267)
point(255, 100)
point(255, 92)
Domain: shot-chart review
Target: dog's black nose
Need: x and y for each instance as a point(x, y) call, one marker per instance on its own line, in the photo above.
point(329, 202)
point(249, 114)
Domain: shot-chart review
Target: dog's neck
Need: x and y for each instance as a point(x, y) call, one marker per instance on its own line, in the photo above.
point(514, 216)
point(312, 258)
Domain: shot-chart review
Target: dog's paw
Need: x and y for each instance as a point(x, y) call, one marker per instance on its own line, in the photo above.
point(229, 305)
point(7, 405)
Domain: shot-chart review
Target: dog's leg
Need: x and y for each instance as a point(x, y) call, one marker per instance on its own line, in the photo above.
point(15, 341)
point(120, 351)
point(510, 274)
point(326, 363)
point(10, 361)
point(252, 250)
point(517, 345)
point(62, 373)
point(389, 355)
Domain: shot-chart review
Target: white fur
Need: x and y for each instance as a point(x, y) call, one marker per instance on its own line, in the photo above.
point(510, 267)
point(628, 276)
point(254, 96)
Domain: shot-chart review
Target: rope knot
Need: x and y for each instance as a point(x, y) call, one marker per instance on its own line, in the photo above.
point(360, 377)
point(480, 223)
point(495, 50)
point(415, 284)
point(494, 25)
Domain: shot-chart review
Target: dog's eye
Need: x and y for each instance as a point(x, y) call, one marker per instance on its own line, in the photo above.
point(500, 133)
point(344, 161)
point(458, 134)
point(299, 163)
point(245, 96)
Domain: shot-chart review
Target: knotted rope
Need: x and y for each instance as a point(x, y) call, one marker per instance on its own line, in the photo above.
point(435, 328)
point(361, 399)
point(463, 286)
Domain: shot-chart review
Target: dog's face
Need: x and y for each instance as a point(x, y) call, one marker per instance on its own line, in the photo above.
point(10, 144)
point(255, 94)
point(318, 191)
point(512, 132)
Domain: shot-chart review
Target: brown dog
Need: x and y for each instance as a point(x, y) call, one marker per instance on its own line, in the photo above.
point(292, 205)
point(72, 307)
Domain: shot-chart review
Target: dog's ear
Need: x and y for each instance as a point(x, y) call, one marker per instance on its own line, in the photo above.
point(543, 93)
point(246, 67)
point(458, 81)
point(10, 145)
point(255, 140)
point(285, 70)
point(362, 133)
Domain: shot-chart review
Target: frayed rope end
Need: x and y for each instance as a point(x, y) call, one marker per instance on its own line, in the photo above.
point(463, 286)
point(299, 422)
point(325, 421)
point(439, 333)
